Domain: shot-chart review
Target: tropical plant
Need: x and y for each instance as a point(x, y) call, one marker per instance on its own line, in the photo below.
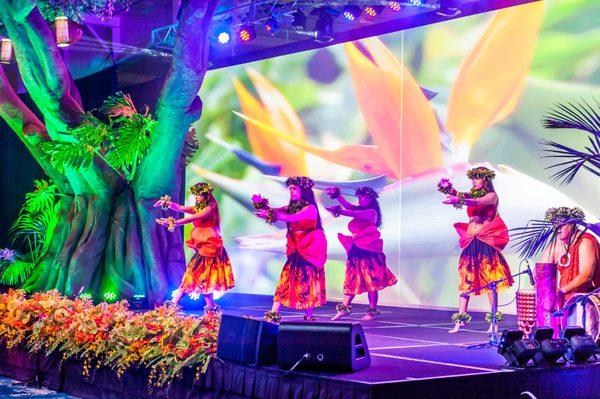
point(584, 118)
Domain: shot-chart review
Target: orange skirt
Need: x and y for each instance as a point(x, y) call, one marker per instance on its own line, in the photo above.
point(366, 271)
point(301, 284)
point(205, 274)
point(479, 265)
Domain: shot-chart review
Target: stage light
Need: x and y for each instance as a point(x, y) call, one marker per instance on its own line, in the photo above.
point(581, 345)
point(139, 302)
point(324, 28)
point(194, 296)
point(373, 11)
point(395, 6)
point(299, 20)
point(351, 13)
point(109, 296)
point(446, 8)
point(85, 296)
point(223, 37)
point(271, 25)
point(247, 33)
point(416, 2)
point(551, 350)
point(6, 51)
point(516, 350)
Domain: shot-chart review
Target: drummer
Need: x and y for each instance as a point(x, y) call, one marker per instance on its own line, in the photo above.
point(576, 252)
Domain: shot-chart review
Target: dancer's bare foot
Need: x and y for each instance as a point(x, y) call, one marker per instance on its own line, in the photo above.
point(338, 316)
point(371, 313)
point(368, 317)
point(342, 310)
point(457, 327)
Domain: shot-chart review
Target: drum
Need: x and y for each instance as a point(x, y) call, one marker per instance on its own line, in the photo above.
point(545, 287)
point(592, 315)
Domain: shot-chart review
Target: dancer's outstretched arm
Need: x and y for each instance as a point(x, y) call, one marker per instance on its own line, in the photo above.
point(196, 216)
point(345, 203)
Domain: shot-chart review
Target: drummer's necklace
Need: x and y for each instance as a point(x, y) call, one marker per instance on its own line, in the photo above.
point(565, 255)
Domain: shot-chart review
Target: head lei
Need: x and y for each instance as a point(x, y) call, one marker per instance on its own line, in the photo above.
point(368, 191)
point(560, 214)
point(481, 173)
point(304, 182)
point(201, 188)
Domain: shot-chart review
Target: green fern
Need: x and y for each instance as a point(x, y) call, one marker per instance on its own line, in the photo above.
point(69, 155)
point(15, 273)
point(131, 142)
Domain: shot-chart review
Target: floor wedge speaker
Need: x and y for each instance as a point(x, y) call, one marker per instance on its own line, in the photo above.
point(247, 341)
point(326, 346)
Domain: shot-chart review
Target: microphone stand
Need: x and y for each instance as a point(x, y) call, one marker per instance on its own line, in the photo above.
point(493, 340)
point(581, 300)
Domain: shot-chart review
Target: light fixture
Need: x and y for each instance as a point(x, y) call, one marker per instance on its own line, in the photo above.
point(516, 350)
point(6, 51)
point(447, 8)
point(63, 39)
point(373, 11)
point(395, 6)
point(416, 2)
point(271, 26)
point(85, 296)
point(324, 28)
point(246, 33)
point(551, 350)
point(223, 37)
point(139, 301)
point(299, 20)
point(581, 345)
point(109, 296)
point(351, 13)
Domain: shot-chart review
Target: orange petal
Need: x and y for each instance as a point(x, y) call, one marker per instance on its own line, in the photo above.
point(366, 158)
point(283, 117)
point(267, 147)
point(398, 115)
point(491, 79)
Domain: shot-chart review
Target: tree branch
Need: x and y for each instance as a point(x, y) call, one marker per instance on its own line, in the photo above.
point(179, 105)
point(29, 129)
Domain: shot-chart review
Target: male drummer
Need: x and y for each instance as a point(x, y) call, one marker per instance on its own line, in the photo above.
point(576, 252)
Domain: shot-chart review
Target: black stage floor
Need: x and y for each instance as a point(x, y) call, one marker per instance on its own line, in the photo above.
point(413, 355)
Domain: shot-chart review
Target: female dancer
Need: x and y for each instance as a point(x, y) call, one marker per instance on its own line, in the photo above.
point(302, 281)
point(482, 239)
point(366, 269)
point(209, 269)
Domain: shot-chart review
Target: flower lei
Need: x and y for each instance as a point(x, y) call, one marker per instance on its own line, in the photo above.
point(271, 216)
point(478, 193)
point(300, 181)
point(201, 188)
point(333, 192)
point(200, 205)
point(366, 191)
point(481, 173)
point(165, 202)
point(557, 215)
point(336, 211)
point(461, 317)
point(296, 206)
point(498, 317)
point(171, 226)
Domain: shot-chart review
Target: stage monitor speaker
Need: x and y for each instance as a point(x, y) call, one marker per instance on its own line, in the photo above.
point(246, 340)
point(326, 346)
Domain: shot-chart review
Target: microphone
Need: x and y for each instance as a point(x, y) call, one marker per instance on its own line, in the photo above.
point(531, 281)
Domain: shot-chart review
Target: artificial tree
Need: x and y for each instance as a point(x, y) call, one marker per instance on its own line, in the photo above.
point(106, 237)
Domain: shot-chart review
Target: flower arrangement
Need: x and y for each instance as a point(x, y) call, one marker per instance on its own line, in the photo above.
point(259, 202)
point(333, 192)
point(306, 183)
point(445, 187)
point(481, 173)
point(109, 334)
point(368, 191)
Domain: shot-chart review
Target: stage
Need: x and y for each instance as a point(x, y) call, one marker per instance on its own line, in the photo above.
point(413, 356)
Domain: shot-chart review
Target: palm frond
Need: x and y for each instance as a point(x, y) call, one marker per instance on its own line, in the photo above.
point(534, 237)
point(92, 131)
point(580, 116)
point(571, 160)
point(72, 155)
point(16, 272)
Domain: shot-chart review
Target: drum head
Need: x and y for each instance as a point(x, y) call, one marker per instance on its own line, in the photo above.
point(592, 315)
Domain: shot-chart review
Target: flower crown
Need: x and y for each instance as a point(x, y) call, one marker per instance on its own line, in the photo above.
point(201, 188)
point(562, 213)
point(368, 191)
point(481, 173)
point(304, 182)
